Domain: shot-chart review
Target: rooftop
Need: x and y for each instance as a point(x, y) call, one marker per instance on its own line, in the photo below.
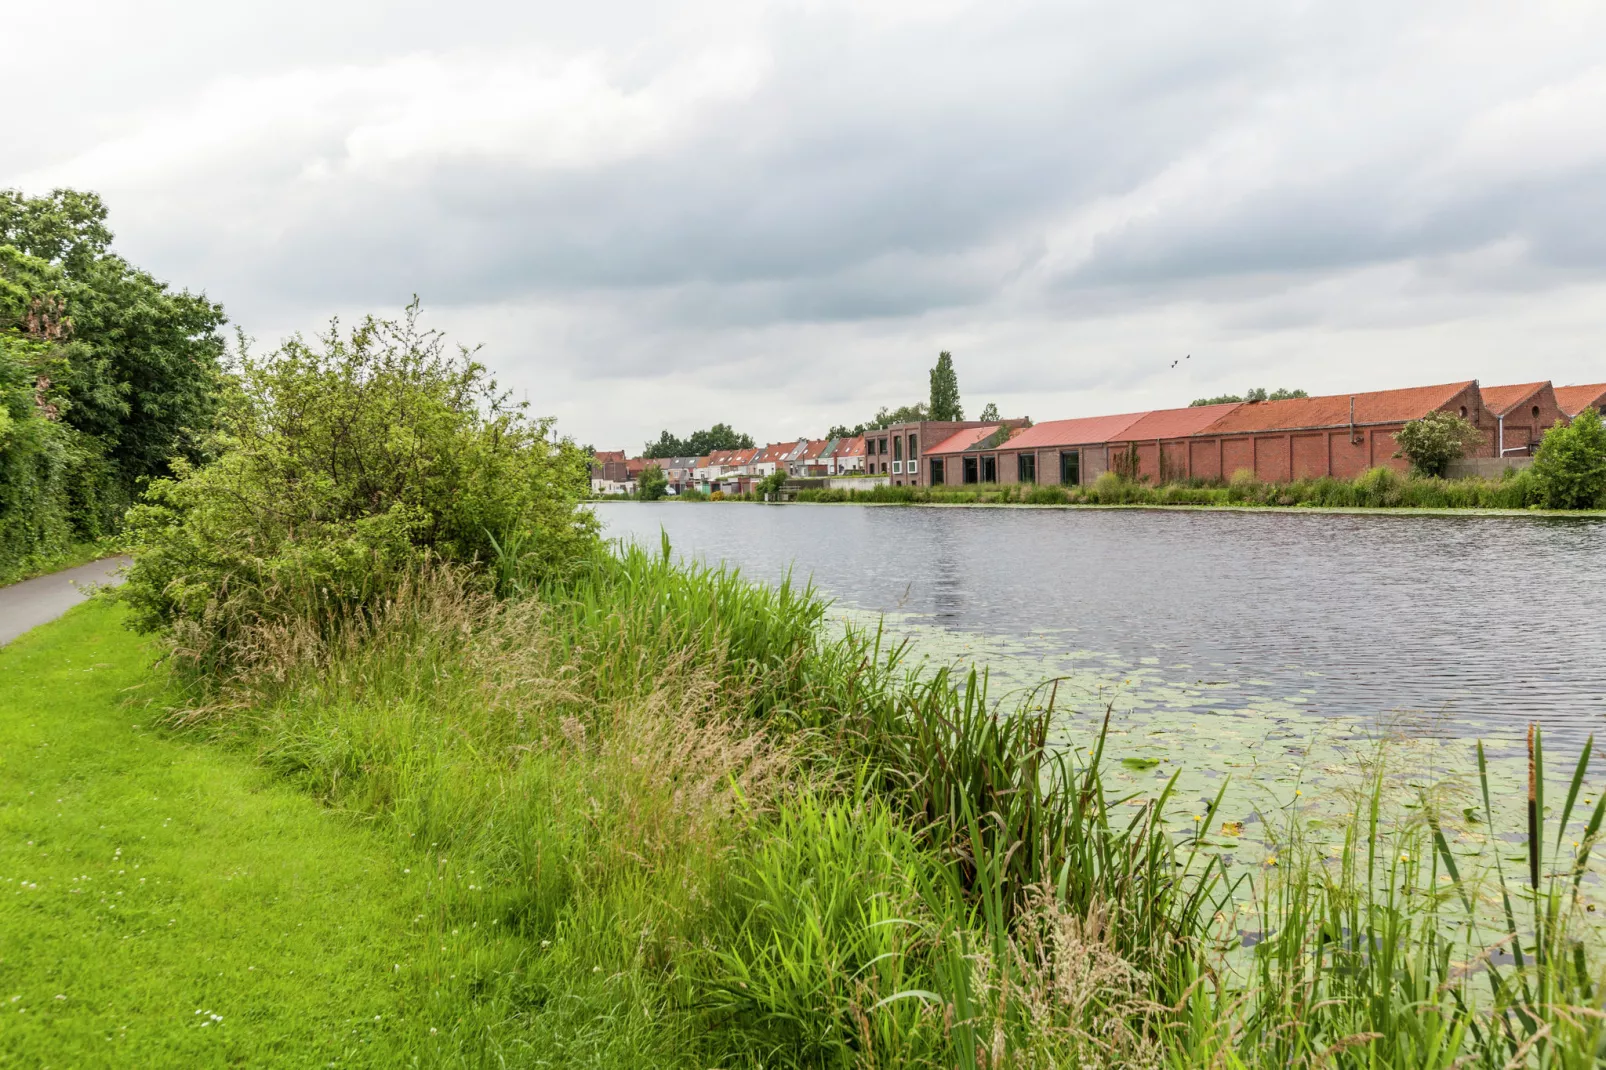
point(1500, 400)
point(1333, 410)
point(969, 438)
point(1176, 423)
point(1083, 431)
point(1575, 399)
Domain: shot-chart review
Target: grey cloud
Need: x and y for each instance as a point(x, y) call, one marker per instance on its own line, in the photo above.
point(1068, 190)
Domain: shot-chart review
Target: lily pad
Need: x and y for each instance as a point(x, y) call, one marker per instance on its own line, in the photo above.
point(1140, 763)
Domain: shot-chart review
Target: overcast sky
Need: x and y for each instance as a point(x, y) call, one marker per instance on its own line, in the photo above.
point(775, 214)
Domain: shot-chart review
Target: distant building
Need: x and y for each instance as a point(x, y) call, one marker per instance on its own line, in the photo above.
point(1339, 435)
point(895, 451)
point(845, 455)
point(1521, 414)
point(609, 473)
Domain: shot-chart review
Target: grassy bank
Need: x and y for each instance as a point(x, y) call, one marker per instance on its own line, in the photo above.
point(1380, 488)
point(713, 835)
point(169, 904)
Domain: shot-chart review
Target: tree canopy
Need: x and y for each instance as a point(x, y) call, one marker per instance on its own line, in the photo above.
point(138, 362)
point(699, 443)
point(1258, 393)
point(106, 374)
point(884, 417)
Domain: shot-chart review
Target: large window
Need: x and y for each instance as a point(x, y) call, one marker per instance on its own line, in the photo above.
point(897, 447)
point(913, 446)
point(1071, 467)
point(937, 472)
point(969, 470)
point(989, 469)
point(1026, 467)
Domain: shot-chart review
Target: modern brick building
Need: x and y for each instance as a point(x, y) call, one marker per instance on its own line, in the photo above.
point(895, 451)
point(1058, 451)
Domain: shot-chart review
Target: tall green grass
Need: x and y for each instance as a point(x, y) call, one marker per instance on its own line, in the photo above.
point(1379, 488)
point(720, 832)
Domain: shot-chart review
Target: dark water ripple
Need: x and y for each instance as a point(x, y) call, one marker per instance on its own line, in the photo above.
point(1493, 620)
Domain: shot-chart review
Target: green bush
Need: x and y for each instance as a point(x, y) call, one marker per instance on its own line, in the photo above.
point(652, 484)
point(1432, 442)
point(1570, 467)
point(342, 467)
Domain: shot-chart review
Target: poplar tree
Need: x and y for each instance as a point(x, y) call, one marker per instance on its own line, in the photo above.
point(944, 390)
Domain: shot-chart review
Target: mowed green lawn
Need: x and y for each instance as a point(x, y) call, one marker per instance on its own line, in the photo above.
point(164, 903)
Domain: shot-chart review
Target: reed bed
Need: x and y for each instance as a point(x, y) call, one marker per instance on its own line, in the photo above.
point(1379, 488)
point(717, 833)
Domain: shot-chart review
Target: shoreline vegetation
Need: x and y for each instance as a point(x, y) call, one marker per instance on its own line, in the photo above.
point(717, 835)
point(712, 830)
point(1380, 489)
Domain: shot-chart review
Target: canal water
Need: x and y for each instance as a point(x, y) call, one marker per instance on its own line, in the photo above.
point(1452, 626)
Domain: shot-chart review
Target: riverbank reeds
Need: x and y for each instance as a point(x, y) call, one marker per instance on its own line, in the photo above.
point(715, 831)
point(1379, 488)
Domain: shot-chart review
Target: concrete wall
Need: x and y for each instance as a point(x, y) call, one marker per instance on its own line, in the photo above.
point(1486, 467)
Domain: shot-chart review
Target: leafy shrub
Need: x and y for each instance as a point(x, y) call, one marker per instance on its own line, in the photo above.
point(770, 485)
point(342, 467)
point(1432, 442)
point(652, 484)
point(1376, 486)
point(1049, 495)
point(1570, 467)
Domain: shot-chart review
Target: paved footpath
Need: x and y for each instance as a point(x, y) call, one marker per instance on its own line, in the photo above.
point(34, 602)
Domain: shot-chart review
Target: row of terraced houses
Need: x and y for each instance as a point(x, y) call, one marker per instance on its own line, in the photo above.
point(1338, 435)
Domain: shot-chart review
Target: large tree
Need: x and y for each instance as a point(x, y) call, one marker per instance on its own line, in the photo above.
point(138, 363)
point(944, 403)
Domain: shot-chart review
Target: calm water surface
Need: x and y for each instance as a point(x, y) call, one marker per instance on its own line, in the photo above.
point(1483, 622)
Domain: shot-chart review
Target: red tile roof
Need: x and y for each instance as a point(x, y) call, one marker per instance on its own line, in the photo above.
point(604, 456)
point(1375, 407)
point(1084, 431)
point(849, 447)
point(776, 452)
point(1500, 400)
point(635, 464)
point(1575, 399)
point(963, 440)
point(1175, 423)
point(813, 449)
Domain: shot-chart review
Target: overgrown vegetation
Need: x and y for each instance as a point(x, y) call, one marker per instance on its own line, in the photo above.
point(1570, 467)
point(721, 837)
point(1379, 488)
point(344, 465)
point(106, 374)
point(716, 832)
